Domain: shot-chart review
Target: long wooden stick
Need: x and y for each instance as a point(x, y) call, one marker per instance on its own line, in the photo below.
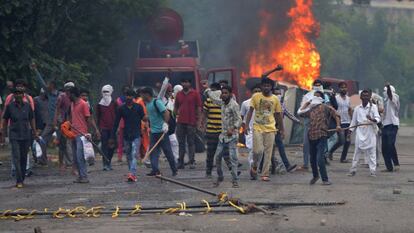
point(187, 185)
point(155, 145)
point(210, 193)
point(93, 143)
point(355, 126)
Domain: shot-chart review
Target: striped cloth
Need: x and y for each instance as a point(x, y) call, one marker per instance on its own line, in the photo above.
point(213, 116)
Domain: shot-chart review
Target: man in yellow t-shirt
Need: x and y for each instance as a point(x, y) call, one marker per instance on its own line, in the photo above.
point(267, 121)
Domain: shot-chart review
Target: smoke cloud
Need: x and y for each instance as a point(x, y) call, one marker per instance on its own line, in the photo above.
point(227, 30)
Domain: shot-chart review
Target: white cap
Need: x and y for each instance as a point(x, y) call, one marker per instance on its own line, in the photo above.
point(177, 88)
point(69, 84)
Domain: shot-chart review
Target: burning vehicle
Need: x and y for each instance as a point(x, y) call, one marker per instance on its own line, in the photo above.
point(168, 54)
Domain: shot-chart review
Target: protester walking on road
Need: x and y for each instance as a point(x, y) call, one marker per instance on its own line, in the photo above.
point(228, 138)
point(52, 94)
point(278, 137)
point(319, 115)
point(391, 123)
point(105, 117)
point(120, 137)
point(244, 109)
point(20, 116)
point(20, 85)
point(316, 86)
point(366, 135)
point(159, 117)
point(168, 98)
point(213, 119)
point(81, 120)
point(268, 114)
point(187, 108)
point(132, 114)
point(345, 113)
point(62, 113)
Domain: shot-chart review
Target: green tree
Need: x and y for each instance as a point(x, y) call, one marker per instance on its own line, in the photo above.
point(367, 45)
point(67, 39)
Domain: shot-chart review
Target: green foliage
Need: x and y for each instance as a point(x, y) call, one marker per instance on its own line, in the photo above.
point(368, 45)
point(67, 39)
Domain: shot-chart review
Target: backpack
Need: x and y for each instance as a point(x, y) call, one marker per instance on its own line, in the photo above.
point(171, 123)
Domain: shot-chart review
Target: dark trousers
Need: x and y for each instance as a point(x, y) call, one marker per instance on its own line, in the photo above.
point(342, 140)
point(20, 148)
point(282, 152)
point(109, 152)
point(166, 148)
point(47, 133)
point(317, 158)
point(389, 152)
point(186, 136)
point(212, 142)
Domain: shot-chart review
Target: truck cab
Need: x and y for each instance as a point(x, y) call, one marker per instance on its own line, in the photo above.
point(167, 54)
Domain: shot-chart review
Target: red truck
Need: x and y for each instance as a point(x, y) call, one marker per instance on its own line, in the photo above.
point(167, 51)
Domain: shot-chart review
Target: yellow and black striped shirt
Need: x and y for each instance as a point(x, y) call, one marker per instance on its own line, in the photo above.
point(213, 116)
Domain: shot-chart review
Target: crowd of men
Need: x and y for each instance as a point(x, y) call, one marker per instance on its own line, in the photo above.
point(141, 123)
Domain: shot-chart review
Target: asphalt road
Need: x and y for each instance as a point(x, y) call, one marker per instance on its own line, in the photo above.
point(370, 205)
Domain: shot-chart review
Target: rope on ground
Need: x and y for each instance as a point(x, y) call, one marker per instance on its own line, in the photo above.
point(59, 213)
point(222, 197)
point(5, 214)
point(115, 214)
point(182, 207)
point(241, 209)
point(209, 209)
point(137, 209)
point(98, 211)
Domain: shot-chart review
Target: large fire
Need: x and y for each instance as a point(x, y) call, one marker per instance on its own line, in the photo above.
point(297, 54)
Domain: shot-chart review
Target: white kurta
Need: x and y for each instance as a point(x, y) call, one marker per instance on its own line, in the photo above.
point(366, 136)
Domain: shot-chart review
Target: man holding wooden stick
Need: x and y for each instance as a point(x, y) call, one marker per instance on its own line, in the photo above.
point(365, 139)
point(319, 115)
point(158, 118)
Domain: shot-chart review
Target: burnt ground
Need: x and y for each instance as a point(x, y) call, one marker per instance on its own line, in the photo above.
point(371, 205)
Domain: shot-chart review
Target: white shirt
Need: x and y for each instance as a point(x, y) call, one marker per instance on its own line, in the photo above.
point(306, 98)
point(244, 109)
point(391, 109)
point(343, 108)
point(366, 136)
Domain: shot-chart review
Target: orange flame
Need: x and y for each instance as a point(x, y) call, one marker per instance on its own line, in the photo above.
point(297, 54)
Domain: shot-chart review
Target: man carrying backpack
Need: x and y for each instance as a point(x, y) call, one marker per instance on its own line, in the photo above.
point(159, 117)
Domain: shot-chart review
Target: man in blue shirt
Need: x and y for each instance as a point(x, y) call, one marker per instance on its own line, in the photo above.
point(158, 117)
point(132, 114)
